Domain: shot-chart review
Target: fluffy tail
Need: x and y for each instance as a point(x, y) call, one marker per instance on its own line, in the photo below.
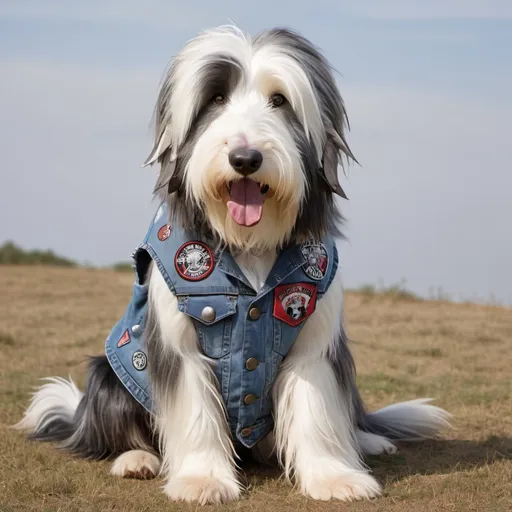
point(50, 414)
point(414, 420)
point(105, 420)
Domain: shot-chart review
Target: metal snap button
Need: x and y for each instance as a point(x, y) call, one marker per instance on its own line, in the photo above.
point(208, 314)
point(250, 399)
point(251, 364)
point(254, 313)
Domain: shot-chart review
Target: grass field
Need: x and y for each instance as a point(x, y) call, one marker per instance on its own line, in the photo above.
point(461, 354)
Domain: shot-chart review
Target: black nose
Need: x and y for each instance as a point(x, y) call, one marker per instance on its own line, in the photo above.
point(245, 160)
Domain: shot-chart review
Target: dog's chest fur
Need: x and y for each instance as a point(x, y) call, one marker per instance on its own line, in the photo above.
point(256, 267)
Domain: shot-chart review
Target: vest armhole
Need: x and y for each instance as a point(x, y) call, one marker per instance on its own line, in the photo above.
point(142, 265)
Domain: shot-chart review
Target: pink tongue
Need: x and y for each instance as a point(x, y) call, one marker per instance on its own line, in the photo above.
point(246, 203)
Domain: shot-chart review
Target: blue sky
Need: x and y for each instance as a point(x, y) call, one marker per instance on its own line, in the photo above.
point(427, 87)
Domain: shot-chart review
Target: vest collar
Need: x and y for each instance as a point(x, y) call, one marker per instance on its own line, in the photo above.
point(288, 260)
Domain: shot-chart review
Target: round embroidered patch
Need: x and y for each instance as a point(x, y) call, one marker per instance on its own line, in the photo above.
point(194, 261)
point(163, 233)
point(317, 259)
point(139, 360)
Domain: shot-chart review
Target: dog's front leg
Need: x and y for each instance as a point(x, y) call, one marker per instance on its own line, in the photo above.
point(315, 429)
point(194, 437)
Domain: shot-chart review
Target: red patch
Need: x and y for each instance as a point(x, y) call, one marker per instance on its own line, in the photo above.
point(124, 339)
point(164, 232)
point(194, 261)
point(293, 303)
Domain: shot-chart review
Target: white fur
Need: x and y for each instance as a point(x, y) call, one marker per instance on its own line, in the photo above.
point(248, 120)
point(136, 464)
point(208, 172)
point(421, 419)
point(198, 455)
point(372, 444)
point(315, 430)
point(57, 399)
point(268, 69)
point(315, 434)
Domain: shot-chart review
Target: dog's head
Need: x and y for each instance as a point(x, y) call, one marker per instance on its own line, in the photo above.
point(249, 135)
point(296, 310)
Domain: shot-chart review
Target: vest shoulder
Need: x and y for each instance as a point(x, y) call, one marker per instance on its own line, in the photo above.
point(187, 263)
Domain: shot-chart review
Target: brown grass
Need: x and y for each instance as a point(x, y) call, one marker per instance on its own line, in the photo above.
point(51, 319)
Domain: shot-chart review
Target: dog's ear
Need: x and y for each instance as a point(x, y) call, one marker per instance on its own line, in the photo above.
point(335, 145)
point(167, 177)
point(163, 153)
point(162, 143)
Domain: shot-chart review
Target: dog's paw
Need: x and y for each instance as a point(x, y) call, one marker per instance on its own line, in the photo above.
point(203, 489)
point(372, 444)
point(354, 485)
point(136, 464)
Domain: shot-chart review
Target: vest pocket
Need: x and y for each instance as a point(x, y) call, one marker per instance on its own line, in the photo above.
point(213, 317)
point(284, 337)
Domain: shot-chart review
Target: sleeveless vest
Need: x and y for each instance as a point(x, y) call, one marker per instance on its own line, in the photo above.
point(245, 332)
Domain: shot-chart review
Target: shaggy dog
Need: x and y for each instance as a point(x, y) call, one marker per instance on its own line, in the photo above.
point(249, 135)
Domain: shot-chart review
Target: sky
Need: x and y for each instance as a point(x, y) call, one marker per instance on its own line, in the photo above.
point(427, 88)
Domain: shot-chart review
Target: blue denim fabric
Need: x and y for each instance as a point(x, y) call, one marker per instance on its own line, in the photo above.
point(232, 336)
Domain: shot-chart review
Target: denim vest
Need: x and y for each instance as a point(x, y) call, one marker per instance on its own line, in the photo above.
point(245, 332)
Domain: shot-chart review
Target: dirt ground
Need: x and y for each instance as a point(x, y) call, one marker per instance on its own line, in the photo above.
point(461, 354)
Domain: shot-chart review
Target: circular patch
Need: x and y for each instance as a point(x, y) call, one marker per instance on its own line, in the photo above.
point(164, 232)
point(139, 360)
point(194, 261)
point(317, 259)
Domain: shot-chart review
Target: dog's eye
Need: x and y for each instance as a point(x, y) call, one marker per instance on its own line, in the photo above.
point(277, 100)
point(219, 99)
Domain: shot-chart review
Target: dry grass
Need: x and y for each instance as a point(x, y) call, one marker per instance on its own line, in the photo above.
point(51, 319)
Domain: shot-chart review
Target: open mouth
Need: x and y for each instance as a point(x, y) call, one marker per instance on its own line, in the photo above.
point(246, 199)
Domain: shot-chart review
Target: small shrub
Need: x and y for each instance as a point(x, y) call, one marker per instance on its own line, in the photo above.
point(395, 292)
point(11, 254)
point(122, 266)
